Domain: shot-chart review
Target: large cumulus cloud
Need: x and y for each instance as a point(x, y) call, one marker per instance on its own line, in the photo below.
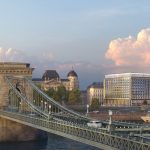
point(131, 51)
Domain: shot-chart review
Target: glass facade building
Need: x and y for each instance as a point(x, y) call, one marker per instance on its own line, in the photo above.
point(126, 89)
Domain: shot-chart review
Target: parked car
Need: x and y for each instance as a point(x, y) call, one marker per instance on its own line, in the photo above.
point(95, 124)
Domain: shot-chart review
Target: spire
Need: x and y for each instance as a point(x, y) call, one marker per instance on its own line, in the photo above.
point(72, 67)
point(72, 73)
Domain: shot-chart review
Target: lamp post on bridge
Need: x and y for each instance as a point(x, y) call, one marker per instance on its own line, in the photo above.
point(45, 103)
point(110, 120)
point(50, 109)
point(141, 130)
point(87, 111)
point(20, 106)
point(49, 116)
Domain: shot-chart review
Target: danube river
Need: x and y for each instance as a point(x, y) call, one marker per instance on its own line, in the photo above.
point(53, 143)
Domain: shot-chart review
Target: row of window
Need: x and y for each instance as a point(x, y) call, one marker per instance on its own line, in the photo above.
point(14, 71)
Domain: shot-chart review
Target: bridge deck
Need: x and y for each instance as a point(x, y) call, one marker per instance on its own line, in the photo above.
point(77, 133)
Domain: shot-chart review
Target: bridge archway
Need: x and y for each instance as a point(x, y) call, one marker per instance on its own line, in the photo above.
point(20, 70)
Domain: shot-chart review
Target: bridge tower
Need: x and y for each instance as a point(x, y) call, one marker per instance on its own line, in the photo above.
point(10, 129)
point(11, 69)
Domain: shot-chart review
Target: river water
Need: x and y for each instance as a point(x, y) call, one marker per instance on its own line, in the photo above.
point(54, 142)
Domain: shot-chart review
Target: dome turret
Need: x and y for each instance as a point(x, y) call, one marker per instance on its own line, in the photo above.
point(72, 73)
point(50, 74)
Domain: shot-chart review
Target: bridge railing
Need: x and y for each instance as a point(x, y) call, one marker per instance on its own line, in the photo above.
point(79, 132)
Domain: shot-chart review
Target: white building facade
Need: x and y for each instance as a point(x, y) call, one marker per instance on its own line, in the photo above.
point(95, 90)
point(126, 89)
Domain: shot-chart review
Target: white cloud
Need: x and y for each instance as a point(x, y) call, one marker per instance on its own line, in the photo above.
point(131, 51)
point(48, 55)
point(82, 66)
point(11, 55)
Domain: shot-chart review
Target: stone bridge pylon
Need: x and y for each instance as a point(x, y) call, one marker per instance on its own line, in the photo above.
point(10, 129)
point(11, 69)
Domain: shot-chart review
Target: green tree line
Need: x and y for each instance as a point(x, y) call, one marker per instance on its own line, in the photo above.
point(63, 95)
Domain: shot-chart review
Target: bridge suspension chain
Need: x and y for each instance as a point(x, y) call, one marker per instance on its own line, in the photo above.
point(42, 103)
point(25, 100)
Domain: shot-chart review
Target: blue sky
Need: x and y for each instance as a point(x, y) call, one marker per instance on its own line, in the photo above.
point(59, 34)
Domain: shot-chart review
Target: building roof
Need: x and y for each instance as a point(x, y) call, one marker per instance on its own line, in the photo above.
point(50, 74)
point(127, 75)
point(96, 85)
point(72, 73)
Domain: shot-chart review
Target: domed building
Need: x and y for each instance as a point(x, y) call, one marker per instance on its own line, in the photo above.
point(51, 79)
point(50, 74)
point(73, 80)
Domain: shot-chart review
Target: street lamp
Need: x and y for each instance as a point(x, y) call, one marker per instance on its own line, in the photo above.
point(45, 105)
point(49, 116)
point(87, 106)
point(20, 106)
point(110, 114)
point(141, 130)
point(110, 120)
point(50, 109)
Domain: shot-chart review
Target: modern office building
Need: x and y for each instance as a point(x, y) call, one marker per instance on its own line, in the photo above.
point(95, 90)
point(126, 89)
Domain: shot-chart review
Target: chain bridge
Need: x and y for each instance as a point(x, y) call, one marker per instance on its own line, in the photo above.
point(28, 105)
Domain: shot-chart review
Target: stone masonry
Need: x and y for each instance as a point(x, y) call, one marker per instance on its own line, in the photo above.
point(9, 130)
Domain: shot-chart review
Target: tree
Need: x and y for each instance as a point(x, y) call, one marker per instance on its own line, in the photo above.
point(56, 96)
point(50, 92)
point(145, 102)
point(74, 96)
point(39, 86)
point(61, 94)
point(95, 104)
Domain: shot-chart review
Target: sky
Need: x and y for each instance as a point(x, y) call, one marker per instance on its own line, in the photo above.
point(94, 37)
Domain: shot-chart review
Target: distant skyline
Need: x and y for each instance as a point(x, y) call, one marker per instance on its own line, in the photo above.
point(96, 37)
